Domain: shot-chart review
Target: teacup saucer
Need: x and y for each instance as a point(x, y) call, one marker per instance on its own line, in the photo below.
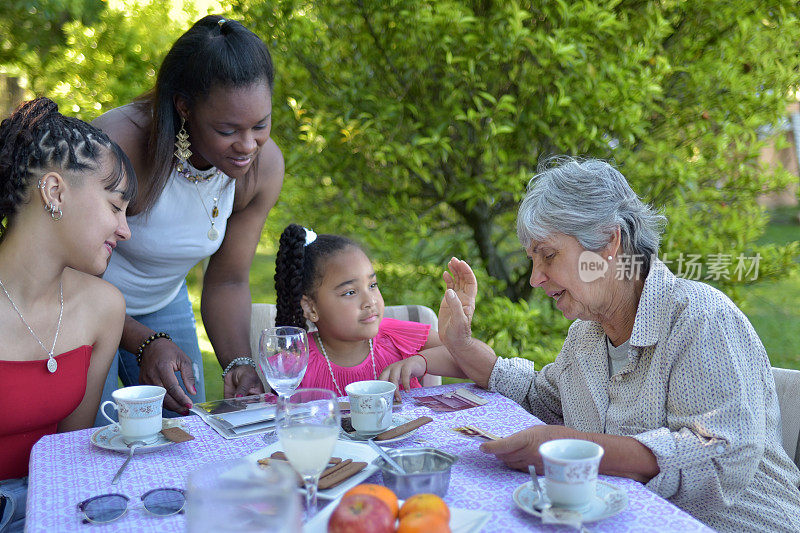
point(109, 438)
point(609, 500)
point(397, 420)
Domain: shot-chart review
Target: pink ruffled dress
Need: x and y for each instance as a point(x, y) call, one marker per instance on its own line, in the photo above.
point(396, 340)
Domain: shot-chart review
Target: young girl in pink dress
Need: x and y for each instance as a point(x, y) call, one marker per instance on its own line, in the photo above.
point(329, 280)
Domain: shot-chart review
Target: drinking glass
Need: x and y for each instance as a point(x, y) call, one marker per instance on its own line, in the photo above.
point(283, 358)
point(308, 427)
point(241, 496)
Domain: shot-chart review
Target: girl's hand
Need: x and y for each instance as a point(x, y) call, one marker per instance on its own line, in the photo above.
point(401, 372)
point(455, 325)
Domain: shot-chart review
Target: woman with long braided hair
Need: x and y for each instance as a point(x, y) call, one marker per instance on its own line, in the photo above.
point(209, 174)
point(64, 188)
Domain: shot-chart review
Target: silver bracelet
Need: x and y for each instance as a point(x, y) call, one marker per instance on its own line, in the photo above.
point(239, 361)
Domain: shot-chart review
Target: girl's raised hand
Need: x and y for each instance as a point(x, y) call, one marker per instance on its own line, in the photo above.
point(401, 372)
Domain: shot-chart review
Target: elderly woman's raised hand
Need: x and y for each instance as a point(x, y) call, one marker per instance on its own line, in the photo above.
point(458, 304)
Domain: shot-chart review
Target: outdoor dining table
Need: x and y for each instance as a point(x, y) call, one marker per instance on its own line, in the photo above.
point(66, 469)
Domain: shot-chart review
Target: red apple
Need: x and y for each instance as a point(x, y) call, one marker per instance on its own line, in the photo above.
point(361, 513)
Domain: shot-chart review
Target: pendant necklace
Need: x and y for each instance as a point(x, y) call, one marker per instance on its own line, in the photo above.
point(213, 233)
point(52, 365)
point(330, 368)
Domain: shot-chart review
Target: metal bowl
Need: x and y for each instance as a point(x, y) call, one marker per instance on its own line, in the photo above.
point(427, 471)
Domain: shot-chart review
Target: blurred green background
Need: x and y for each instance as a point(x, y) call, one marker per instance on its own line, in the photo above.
point(413, 127)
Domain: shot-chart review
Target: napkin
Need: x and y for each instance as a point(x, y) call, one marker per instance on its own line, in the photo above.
point(451, 401)
point(556, 515)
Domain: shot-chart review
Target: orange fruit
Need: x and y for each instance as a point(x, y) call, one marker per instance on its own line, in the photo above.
point(379, 491)
point(427, 504)
point(423, 523)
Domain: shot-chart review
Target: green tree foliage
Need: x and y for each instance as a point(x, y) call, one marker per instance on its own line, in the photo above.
point(32, 30)
point(87, 55)
point(416, 125)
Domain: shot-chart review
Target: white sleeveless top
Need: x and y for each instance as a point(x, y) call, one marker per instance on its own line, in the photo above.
point(167, 241)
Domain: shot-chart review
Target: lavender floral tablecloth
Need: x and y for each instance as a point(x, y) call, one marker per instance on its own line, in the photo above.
point(66, 469)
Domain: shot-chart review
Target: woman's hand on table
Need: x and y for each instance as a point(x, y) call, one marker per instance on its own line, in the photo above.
point(160, 361)
point(623, 457)
point(522, 448)
point(241, 381)
point(401, 372)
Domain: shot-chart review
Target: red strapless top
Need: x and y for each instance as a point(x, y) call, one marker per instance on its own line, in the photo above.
point(34, 401)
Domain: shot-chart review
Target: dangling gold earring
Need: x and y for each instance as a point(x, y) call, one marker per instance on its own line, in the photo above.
point(182, 143)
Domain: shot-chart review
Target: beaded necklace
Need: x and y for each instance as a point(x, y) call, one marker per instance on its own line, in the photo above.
point(330, 368)
point(185, 169)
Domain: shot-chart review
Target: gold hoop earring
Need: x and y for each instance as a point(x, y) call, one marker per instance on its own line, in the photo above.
point(182, 143)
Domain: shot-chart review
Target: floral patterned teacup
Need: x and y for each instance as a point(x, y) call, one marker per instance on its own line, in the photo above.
point(139, 412)
point(371, 405)
point(570, 471)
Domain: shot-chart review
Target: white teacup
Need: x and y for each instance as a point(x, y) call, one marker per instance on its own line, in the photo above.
point(139, 412)
point(371, 405)
point(570, 471)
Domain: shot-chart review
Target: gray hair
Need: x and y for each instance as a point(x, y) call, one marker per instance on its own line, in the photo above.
point(588, 199)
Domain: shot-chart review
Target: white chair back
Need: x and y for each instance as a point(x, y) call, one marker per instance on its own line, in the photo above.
point(263, 316)
point(787, 384)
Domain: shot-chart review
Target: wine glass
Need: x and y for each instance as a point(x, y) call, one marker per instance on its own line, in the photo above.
point(308, 427)
point(283, 358)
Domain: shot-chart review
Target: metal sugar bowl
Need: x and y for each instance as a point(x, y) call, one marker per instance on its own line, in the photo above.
point(427, 471)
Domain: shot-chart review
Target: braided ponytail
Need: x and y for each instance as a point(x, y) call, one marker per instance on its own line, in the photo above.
point(36, 137)
point(289, 277)
point(299, 268)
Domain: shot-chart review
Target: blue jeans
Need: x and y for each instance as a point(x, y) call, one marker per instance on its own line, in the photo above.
point(15, 492)
point(177, 319)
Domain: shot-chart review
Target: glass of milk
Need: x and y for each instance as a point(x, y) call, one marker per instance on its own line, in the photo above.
point(307, 423)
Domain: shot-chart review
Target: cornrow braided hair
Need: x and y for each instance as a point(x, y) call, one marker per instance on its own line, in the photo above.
point(299, 269)
point(37, 137)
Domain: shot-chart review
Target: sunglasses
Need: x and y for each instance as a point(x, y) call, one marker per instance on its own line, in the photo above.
point(108, 507)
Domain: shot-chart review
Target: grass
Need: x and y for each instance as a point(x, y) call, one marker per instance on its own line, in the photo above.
point(773, 307)
point(774, 310)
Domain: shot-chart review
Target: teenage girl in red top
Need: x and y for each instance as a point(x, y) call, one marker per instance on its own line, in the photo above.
point(64, 187)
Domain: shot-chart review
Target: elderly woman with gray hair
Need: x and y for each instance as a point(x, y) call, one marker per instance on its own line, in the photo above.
point(665, 373)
